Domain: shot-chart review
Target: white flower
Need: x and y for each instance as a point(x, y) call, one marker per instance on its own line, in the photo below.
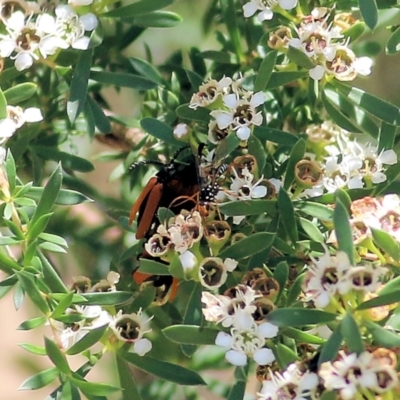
point(188, 260)
point(243, 188)
point(16, 117)
point(181, 130)
point(292, 384)
point(222, 309)
point(265, 8)
point(209, 92)
point(213, 272)
point(80, 3)
point(317, 72)
point(92, 317)
point(326, 278)
point(241, 114)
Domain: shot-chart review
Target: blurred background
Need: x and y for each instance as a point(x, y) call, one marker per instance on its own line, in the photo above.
point(15, 363)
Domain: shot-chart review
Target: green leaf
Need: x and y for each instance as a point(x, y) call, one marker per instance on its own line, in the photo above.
point(32, 323)
point(387, 243)
point(343, 231)
point(63, 304)
point(123, 80)
point(157, 19)
point(288, 317)
point(381, 300)
point(392, 173)
point(3, 105)
point(294, 290)
point(68, 161)
point(369, 12)
point(387, 135)
point(222, 57)
point(193, 314)
point(296, 155)
point(51, 277)
point(90, 389)
point(190, 334)
point(225, 147)
point(19, 93)
point(10, 170)
point(265, 71)
point(379, 108)
point(281, 274)
point(159, 130)
point(148, 266)
point(65, 197)
point(275, 135)
point(49, 237)
point(29, 284)
point(38, 350)
point(351, 334)
point(329, 395)
point(39, 226)
point(92, 337)
point(257, 150)
point(392, 285)
point(146, 69)
point(105, 299)
point(249, 207)
point(56, 356)
point(138, 8)
point(238, 390)
point(286, 212)
point(302, 336)
point(79, 85)
point(337, 115)
point(100, 120)
point(55, 248)
point(195, 79)
point(320, 211)
point(40, 380)
point(360, 120)
point(279, 79)
point(201, 114)
point(285, 355)
point(383, 337)
point(311, 229)
point(144, 298)
point(331, 348)
point(299, 58)
point(393, 44)
point(49, 195)
point(344, 198)
point(248, 246)
point(164, 370)
point(127, 382)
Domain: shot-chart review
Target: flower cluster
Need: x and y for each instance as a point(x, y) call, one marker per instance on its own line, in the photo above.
point(233, 108)
point(293, 383)
point(325, 45)
point(349, 165)
point(371, 373)
point(377, 213)
point(244, 309)
point(180, 234)
point(127, 328)
point(33, 32)
point(333, 276)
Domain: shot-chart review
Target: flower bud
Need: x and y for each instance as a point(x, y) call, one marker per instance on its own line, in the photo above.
point(182, 132)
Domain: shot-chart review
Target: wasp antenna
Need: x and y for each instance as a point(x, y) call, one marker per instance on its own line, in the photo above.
point(179, 151)
point(145, 162)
